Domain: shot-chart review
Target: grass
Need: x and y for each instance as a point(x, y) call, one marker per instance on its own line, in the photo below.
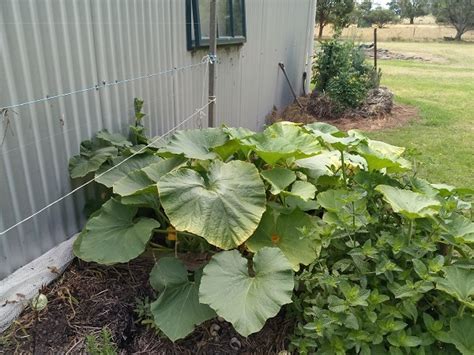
point(443, 91)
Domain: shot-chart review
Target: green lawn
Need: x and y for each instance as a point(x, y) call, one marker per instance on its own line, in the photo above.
point(443, 91)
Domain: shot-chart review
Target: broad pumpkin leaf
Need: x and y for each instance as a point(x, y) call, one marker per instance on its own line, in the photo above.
point(81, 165)
point(224, 207)
point(410, 204)
point(459, 283)
point(196, 143)
point(278, 178)
point(134, 163)
point(156, 170)
point(177, 310)
point(242, 299)
point(461, 334)
point(115, 139)
point(461, 228)
point(285, 231)
point(323, 164)
point(380, 155)
point(113, 236)
point(143, 198)
point(302, 189)
point(132, 183)
point(283, 140)
point(332, 136)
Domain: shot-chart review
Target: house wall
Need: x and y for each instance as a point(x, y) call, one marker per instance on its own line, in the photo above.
point(49, 47)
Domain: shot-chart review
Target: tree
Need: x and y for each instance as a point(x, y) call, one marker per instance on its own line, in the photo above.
point(412, 8)
point(458, 13)
point(380, 16)
point(336, 12)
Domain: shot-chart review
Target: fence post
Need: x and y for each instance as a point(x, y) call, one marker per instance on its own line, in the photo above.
point(375, 48)
point(212, 63)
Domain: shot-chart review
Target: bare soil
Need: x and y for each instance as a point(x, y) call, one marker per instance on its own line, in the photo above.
point(89, 297)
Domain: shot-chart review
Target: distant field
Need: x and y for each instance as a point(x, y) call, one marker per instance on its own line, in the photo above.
point(444, 94)
point(424, 29)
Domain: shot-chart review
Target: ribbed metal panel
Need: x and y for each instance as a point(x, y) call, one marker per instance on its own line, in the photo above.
point(54, 46)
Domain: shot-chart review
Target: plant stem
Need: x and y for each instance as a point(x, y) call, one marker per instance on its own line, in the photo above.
point(461, 310)
point(449, 255)
point(177, 232)
point(410, 231)
point(343, 167)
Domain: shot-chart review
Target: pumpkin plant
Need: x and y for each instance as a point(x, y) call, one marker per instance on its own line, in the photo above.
point(263, 208)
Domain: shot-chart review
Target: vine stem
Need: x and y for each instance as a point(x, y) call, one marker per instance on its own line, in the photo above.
point(410, 231)
point(343, 167)
point(461, 310)
point(177, 232)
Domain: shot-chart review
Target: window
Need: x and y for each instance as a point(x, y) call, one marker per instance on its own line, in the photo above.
point(230, 18)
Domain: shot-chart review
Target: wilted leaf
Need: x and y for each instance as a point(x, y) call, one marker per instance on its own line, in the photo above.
point(115, 139)
point(80, 166)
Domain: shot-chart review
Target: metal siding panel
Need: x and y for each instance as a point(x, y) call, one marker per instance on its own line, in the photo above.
point(56, 46)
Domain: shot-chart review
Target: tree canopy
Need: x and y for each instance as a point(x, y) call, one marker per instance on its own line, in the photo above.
point(336, 12)
point(458, 13)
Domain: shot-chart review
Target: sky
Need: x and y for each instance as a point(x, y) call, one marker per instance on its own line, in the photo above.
point(383, 3)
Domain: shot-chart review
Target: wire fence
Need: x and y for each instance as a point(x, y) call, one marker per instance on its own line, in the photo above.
point(199, 112)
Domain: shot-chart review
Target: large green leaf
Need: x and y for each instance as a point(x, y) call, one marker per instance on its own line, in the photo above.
point(461, 334)
point(224, 207)
point(331, 135)
point(132, 183)
point(328, 161)
point(115, 139)
point(279, 178)
point(410, 204)
point(380, 155)
point(461, 228)
point(177, 309)
point(156, 170)
point(113, 236)
point(283, 140)
point(81, 165)
point(289, 232)
point(302, 189)
point(134, 163)
point(247, 300)
point(459, 283)
point(196, 143)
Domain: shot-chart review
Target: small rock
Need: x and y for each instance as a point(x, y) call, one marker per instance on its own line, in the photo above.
point(214, 329)
point(235, 343)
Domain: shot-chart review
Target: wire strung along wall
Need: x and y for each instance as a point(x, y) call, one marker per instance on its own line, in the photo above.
point(11, 113)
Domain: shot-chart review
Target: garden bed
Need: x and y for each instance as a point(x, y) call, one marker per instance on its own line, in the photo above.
point(400, 115)
point(88, 298)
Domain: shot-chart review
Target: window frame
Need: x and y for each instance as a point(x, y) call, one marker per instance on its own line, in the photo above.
point(193, 27)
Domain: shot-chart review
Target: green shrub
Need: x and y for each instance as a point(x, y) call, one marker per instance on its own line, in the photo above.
point(341, 72)
point(382, 259)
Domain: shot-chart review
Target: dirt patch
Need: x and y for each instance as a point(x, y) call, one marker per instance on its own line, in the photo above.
point(385, 54)
point(89, 297)
point(376, 115)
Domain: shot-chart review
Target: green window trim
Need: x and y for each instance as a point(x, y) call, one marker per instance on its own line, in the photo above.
point(194, 32)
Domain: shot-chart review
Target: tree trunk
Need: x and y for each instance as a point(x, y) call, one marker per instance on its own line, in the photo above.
point(412, 20)
point(459, 33)
point(321, 28)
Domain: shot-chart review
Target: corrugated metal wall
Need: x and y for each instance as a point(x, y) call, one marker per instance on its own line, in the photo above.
point(54, 46)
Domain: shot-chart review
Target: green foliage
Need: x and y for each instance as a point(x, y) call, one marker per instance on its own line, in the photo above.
point(381, 17)
point(377, 252)
point(457, 13)
point(342, 74)
point(336, 12)
point(101, 344)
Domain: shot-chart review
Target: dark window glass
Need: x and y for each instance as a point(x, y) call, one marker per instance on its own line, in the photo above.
point(230, 17)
